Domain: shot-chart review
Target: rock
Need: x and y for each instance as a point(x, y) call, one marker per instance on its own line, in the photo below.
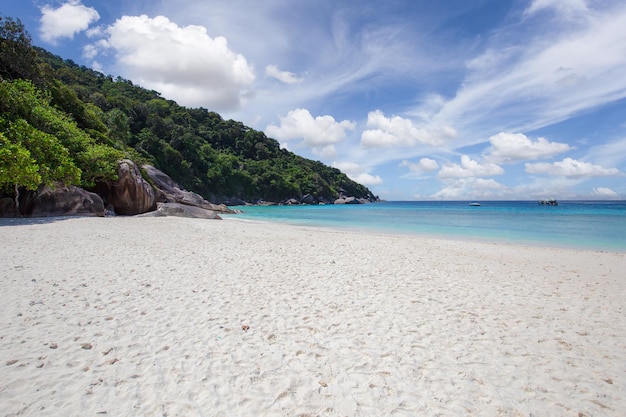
point(62, 201)
point(182, 210)
point(7, 208)
point(168, 191)
point(308, 199)
point(130, 194)
point(234, 201)
point(348, 200)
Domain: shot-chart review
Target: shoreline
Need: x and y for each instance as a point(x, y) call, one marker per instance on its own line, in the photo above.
point(487, 240)
point(572, 226)
point(147, 316)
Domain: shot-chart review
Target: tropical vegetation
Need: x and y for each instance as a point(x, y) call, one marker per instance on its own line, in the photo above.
point(65, 123)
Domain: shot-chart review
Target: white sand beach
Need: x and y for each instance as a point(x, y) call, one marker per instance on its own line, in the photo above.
point(185, 317)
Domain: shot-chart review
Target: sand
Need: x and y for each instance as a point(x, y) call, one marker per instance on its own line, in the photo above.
point(186, 317)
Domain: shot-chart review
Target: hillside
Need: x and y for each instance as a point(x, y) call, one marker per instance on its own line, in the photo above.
point(64, 122)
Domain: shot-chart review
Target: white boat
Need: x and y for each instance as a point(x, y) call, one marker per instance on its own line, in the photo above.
point(474, 204)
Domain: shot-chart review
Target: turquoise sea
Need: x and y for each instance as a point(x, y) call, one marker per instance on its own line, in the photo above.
point(595, 225)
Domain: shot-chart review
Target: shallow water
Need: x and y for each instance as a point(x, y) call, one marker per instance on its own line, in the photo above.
point(596, 225)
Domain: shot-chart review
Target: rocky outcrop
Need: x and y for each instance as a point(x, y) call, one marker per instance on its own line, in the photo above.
point(61, 201)
point(130, 194)
point(181, 210)
point(168, 191)
point(348, 200)
point(308, 199)
point(7, 208)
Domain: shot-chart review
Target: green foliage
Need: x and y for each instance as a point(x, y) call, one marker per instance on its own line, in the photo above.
point(17, 167)
point(17, 57)
point(70, 123)
point(60, 148)
point(118, 128)
point(99, 163)
point(51, 160)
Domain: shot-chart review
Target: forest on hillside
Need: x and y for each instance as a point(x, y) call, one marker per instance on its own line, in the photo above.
point(65, 123)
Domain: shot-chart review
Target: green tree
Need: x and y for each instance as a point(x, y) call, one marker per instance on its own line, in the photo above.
point(17, 168)
point(17, 56)
point(52, 159)
point(119, 129)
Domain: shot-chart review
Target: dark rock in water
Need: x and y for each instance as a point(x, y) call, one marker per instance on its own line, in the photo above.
point(62, 201)
point(181, 210)
point(130, 194)
point(168, 191)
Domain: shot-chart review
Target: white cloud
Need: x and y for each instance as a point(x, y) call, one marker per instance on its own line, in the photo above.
point(510, 147)
point(469, 168)
point(611, 153)
point(564, 7)
point(569, 167)
point(470, 188)
point(315, 132)
point(65, 21)
point(325, 152)
point(347, 167)
point(424, 165)
point(367, 179)
point(283, 76)
point(355, 172)
point(552, 76)
point(398, 131)
point(183, 63)
point(604, 192)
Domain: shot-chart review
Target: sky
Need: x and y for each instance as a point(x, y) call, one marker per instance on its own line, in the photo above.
point(416, 99)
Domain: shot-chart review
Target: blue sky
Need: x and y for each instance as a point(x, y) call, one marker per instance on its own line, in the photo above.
point(417, 99)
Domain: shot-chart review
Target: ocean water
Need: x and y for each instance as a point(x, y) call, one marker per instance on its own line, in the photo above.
point(595, 225)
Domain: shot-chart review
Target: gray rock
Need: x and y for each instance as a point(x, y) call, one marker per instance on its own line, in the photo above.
point(181, 210)
point(130, 194)
point(348, 200)
point(7, 208)
point(62, 201)
point(308, 199)
point(168, 191)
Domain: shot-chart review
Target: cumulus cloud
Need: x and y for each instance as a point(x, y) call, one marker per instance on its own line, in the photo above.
point(398, 131)
point(315, 132)
point(604, 192)
point(325, 152)
point(569, 167)
point(510, 147)
point(356, 173)
point(65, 21)
point(286, 77)
point(183, 63)
point(424, 165)
point(469, 168)
point(367, 179)
point(474, 188)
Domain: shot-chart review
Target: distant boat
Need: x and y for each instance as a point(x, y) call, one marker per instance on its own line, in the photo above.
point(550, 202)
point(474, 204)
